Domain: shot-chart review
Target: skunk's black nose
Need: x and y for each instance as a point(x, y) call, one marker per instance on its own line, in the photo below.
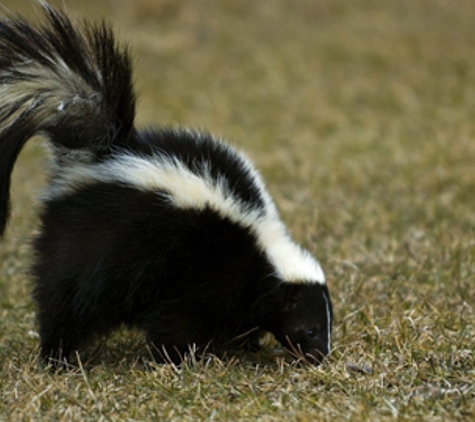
point(316, 354)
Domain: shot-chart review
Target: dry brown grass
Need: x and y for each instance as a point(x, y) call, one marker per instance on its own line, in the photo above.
point(361, 117)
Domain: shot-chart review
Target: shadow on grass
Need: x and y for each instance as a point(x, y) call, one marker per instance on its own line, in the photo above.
point(127, 350)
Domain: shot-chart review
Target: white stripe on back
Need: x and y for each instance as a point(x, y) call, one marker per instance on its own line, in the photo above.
point(187, 189)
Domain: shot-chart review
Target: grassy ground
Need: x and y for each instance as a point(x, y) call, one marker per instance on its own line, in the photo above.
point(360, 116)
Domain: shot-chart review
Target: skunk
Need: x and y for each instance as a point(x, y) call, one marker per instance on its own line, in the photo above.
point(168, 230)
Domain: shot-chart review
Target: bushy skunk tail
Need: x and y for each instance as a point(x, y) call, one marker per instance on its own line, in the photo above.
point(73, 86)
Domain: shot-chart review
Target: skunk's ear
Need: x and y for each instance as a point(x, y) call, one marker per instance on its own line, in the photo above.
point(292, 296)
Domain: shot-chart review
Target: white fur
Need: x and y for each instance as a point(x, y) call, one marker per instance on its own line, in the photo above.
point(186, 189)
point(44, 89)
point(329, 321)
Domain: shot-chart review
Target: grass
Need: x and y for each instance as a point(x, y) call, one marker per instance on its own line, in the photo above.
point(360, 116)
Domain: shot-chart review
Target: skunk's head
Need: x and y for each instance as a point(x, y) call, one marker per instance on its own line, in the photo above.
point(303, 325)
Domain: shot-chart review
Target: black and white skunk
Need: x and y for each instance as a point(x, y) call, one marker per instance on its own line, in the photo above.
point(171, 231)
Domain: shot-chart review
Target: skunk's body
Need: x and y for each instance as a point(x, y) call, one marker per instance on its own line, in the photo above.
point(171, 231)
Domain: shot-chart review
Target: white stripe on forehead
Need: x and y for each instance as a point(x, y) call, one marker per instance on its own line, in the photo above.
point(187, 189)
point(329, 321)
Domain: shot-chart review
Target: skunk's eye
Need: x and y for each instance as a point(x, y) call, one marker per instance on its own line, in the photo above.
point(312, 332)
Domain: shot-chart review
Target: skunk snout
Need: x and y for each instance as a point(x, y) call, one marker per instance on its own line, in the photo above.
point(316, 354)
point(313, 349)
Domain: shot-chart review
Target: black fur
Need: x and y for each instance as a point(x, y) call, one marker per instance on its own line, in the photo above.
point(112, 252)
